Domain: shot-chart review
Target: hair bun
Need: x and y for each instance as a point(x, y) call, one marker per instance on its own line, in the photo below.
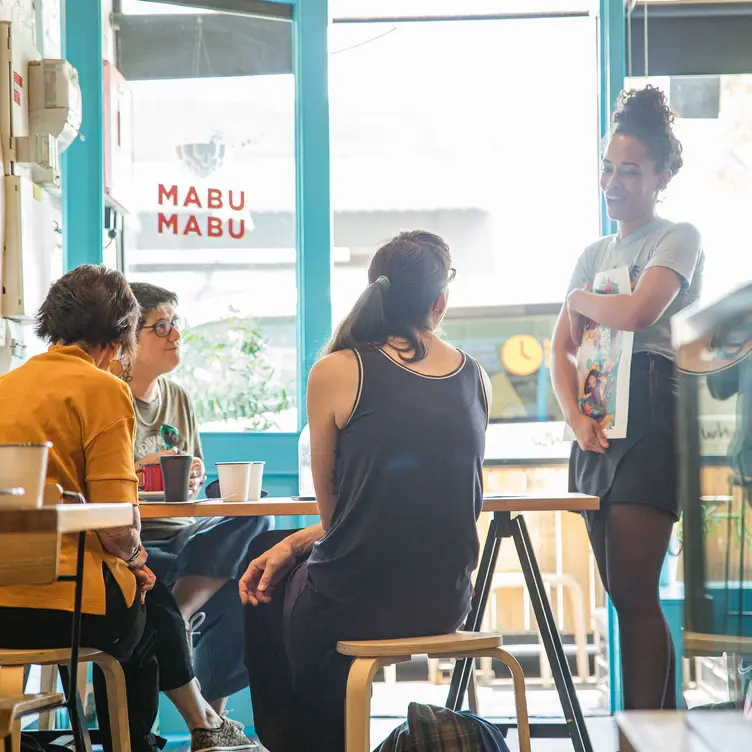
point(646, 115)
point(648, 106)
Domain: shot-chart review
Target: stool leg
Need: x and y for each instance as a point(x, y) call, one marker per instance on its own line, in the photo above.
point(12, 683)
point(358, 703)
point(117, 703)
point(49, 684)
point(520, 700)
point(472, 690)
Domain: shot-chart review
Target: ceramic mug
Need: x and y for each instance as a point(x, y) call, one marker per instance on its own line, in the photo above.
point(150, 478)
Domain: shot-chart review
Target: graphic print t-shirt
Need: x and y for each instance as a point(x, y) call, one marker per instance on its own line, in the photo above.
point(173, 408)
point(676, 246)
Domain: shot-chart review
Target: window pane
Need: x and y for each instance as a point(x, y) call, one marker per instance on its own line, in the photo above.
point(713, 190)
point(214, 220)
point(485, 132)
point(451, 8)
point(464, 129)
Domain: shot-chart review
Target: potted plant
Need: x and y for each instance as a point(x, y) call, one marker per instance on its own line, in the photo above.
point(227, 371)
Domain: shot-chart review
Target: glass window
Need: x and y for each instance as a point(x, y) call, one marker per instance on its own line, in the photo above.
point(213, 219)
point(464, 128)
point(713, 190)
point(451, 8)
point(485, 132)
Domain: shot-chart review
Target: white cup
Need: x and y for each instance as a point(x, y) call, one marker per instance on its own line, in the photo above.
point(234, 480)
point(23, 466)
point(257, 476)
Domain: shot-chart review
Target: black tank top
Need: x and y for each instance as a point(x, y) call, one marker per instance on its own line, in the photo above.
point(402, 544)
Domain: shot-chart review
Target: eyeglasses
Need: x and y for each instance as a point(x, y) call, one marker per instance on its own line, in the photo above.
point(452, 275)
point(164, 328)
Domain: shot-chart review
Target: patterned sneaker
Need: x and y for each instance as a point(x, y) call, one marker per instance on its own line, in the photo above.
point(227, 738)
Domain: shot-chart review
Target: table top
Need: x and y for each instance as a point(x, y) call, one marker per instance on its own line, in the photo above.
point(681, 731)
point(290, 506)
point(65, 518)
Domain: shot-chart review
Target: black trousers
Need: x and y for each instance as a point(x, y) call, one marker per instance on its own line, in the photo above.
point(149, 642)
point(289, 717)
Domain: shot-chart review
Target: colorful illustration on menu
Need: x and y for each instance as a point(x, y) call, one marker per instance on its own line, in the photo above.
point(603, 364)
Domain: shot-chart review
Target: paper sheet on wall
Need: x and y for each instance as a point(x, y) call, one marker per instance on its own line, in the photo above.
point(2, 228)
point(604, 364)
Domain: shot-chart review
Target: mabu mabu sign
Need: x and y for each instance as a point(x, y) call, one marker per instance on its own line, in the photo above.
point(201, 226)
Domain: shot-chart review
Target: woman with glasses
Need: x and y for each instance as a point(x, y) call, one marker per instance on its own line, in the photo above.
point(397, 422)
point(201, 560)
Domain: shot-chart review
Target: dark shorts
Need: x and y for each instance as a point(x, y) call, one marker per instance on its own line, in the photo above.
point(642, 468)
point(213, 547)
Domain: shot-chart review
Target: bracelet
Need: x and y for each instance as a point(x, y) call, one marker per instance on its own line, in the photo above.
point(135, 556)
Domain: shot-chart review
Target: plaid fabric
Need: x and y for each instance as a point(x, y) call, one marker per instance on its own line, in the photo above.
point(433, 729)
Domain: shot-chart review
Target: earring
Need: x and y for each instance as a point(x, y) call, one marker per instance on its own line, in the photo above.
point(117, 368)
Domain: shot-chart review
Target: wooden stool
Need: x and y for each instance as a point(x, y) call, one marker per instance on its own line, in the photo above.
point(370, 656)
point(14, 707)
point(117, 702)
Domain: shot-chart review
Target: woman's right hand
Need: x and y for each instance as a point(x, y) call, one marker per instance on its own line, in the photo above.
point(264, 573)
point(589, 434)
point(153, 458)
point(145, 580)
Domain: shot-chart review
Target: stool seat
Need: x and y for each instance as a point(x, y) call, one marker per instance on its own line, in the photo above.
point(16, 706)
point(44, 657)
point(454, 644)
point(372, 655)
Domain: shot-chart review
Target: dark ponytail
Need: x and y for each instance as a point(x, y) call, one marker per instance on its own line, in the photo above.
point(407, 275)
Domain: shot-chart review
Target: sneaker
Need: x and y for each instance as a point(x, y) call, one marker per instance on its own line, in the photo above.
point(226, 738)
point(191, 628)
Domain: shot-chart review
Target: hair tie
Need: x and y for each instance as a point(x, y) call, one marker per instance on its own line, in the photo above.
point(384, 282)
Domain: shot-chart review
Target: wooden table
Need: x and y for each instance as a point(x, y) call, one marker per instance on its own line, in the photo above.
point(507, 522)
point(682, 731)
point(65, 518)
point(62, 519)
point(284, 506)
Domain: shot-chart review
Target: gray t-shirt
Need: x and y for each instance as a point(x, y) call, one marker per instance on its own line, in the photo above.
point(676, 246)
point(172, 408)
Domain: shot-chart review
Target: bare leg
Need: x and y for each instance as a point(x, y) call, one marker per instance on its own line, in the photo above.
point(219, 705)
point(196, 711)
point(193, 591)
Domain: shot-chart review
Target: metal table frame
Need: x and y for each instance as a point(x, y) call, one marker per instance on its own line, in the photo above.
point(504, 525)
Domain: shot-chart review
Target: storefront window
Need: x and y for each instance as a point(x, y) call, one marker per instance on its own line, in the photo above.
point(485, 132)
point(462, 128)
point(213, 219)
point(713, 190)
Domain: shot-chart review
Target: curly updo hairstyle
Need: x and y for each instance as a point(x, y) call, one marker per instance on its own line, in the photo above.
point(645, 114)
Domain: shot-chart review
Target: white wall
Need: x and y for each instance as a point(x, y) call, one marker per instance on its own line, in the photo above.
point(41, 20)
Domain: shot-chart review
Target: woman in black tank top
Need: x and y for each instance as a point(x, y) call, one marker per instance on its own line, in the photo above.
point(397, 420)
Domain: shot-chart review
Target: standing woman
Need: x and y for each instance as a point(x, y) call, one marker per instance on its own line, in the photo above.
point(635, 477)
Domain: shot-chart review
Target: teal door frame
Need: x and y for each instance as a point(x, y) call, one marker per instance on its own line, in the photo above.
point(82, 165)
point(83, 209)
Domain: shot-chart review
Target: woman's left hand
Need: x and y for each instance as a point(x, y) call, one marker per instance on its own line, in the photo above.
point(198, 476)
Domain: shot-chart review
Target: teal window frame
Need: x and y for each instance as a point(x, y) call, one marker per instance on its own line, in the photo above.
point(83, 211)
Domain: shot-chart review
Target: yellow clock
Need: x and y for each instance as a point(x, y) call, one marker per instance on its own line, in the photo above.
point(522, 355)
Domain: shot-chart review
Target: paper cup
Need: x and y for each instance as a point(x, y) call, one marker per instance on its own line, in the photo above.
point(256, 477)
point(234, 480)
point(23, 466)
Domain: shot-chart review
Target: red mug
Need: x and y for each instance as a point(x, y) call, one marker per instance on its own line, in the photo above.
point(150, 478)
